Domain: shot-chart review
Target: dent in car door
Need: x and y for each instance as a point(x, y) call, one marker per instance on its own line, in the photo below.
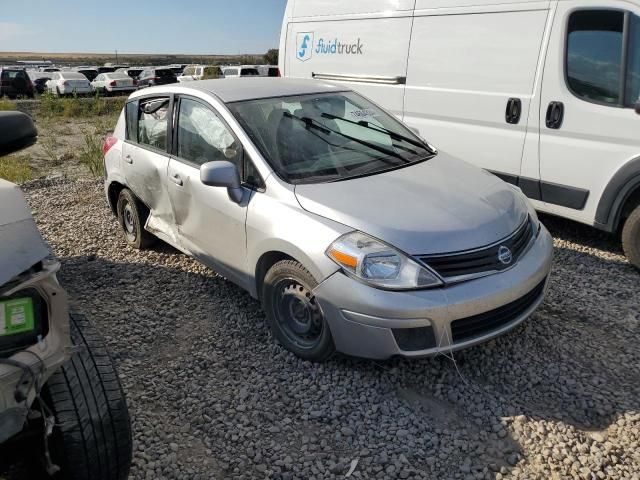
point(211, 227)
point(145, 161)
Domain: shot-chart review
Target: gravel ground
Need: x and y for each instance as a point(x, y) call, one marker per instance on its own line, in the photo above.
point(211, 395)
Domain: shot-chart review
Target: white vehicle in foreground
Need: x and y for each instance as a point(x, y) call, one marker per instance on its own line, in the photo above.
point(114, 82)
point(68, 83)
point(540, 93)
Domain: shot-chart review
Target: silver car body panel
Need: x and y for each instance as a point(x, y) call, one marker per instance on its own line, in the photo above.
point(21, 245)
point(437, 206)
point(424, 208)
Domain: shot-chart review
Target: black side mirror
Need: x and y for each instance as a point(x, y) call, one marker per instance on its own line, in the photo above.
point(222, 173)
point(17, 132)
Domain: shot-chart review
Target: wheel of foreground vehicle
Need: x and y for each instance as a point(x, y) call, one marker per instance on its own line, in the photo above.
point(132, 216)
point(293, 314)
point(631, 238)
point(92, 436)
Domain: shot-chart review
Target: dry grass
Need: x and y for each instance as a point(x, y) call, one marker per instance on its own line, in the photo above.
point(7, 105)
point(16, 168)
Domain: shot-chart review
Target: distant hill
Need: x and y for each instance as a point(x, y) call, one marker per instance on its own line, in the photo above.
point(129, 58)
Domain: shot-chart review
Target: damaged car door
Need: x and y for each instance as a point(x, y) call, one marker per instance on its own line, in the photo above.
point(145, 159)
point(211, 226)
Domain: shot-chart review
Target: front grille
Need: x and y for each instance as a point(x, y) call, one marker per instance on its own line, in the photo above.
point(412, 339)
point(482, 260)
point(478, 325)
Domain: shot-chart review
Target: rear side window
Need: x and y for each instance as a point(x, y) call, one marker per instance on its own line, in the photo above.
point(600, 67)
point(131, 114)
point(248, 72)
point(164, 73)
point(152, 123)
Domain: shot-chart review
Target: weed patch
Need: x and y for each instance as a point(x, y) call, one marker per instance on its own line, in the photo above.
point(16, 169)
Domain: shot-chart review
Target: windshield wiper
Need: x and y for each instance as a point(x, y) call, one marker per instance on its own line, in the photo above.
point(312, 123)
point(378, 128)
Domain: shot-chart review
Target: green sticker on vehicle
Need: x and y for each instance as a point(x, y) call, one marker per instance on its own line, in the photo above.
point(16, 316)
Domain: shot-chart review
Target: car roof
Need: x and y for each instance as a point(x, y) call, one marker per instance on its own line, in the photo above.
point(230, 90)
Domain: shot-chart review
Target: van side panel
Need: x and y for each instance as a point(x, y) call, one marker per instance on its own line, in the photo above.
point(464, 67)
point(367, 54)
point(312, 8)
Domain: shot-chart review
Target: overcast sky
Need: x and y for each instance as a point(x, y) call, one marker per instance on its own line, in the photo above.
point(142, 26)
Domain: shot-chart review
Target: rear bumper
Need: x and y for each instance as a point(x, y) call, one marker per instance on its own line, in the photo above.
point(372, 323)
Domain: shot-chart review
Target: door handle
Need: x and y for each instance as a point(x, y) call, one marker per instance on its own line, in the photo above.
point(177, 180)
point(128, 159)
point(555, 115)
point(514, 110)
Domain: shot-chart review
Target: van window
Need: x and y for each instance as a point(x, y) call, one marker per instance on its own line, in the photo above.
point(633, 68)
point(152, 123)
point(594, 55)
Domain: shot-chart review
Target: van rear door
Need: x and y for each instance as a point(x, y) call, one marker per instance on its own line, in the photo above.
point(362, 44)
point(471, 78)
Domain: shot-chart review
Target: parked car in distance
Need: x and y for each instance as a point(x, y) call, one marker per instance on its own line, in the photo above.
point(200, 72)
point(68, 83)
point(90, 73)
point(268, 70)
point(355, 234)
point(115, 82)
point(240, 71)
point(15, 82)
point(133, 72)
point(553, 87)
point(156, 76)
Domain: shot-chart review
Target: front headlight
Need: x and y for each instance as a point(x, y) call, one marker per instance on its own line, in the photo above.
point(378, 264)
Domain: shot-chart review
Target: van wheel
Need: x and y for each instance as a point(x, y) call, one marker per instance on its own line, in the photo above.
point(631, 238)
point(132, 216)
point(91, 438)
point(294, 317)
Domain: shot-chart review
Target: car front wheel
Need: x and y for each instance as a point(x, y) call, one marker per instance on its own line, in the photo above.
point(132, 216)
point(294, 316)
point(631, 238)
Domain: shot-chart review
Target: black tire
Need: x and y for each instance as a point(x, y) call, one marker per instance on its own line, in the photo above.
point(132, 216)
point(92, 436)
point(295, 319)
point(631, 238)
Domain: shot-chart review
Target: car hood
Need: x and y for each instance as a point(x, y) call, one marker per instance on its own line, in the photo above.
point(21, 245)
point(437, 206)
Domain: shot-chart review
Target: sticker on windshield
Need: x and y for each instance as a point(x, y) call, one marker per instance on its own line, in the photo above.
point(16, 316)
point(363, 114)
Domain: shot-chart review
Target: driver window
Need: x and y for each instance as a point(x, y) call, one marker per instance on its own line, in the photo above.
point(203, 137)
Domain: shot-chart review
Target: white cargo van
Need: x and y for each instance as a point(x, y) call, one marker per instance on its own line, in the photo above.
point(541, 93)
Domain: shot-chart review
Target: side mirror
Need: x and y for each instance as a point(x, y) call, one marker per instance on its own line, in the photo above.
point(222, 174)
point(17, 132)
point(638, 107)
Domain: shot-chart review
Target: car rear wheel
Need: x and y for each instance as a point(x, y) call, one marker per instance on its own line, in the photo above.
point(91, 439)
point(132, 216)
point(631, 238)
point(294, 316)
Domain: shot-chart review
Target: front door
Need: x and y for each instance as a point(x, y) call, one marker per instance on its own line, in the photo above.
point(210, 225)
point(588, 128)
point(145, 160)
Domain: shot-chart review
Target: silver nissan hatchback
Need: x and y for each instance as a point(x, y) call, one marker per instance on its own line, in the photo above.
point(356, 234)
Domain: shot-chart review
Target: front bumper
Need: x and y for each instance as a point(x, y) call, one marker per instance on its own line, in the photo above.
point(372, 323)
point(44, 358)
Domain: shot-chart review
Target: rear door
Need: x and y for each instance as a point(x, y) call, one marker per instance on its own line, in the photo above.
point(210, 225)
point(588, 127)
point(471, 77)
point(362, 44)
point(146, 159)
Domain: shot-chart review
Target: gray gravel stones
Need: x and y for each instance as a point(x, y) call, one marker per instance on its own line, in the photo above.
point(212, 396)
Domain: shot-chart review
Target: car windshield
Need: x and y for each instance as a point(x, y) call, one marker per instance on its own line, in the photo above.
point(328, 137)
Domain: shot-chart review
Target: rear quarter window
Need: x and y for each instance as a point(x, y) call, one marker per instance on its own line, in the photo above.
point(131, 116)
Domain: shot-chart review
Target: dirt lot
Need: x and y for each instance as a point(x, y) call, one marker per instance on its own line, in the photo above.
point(212, 396)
